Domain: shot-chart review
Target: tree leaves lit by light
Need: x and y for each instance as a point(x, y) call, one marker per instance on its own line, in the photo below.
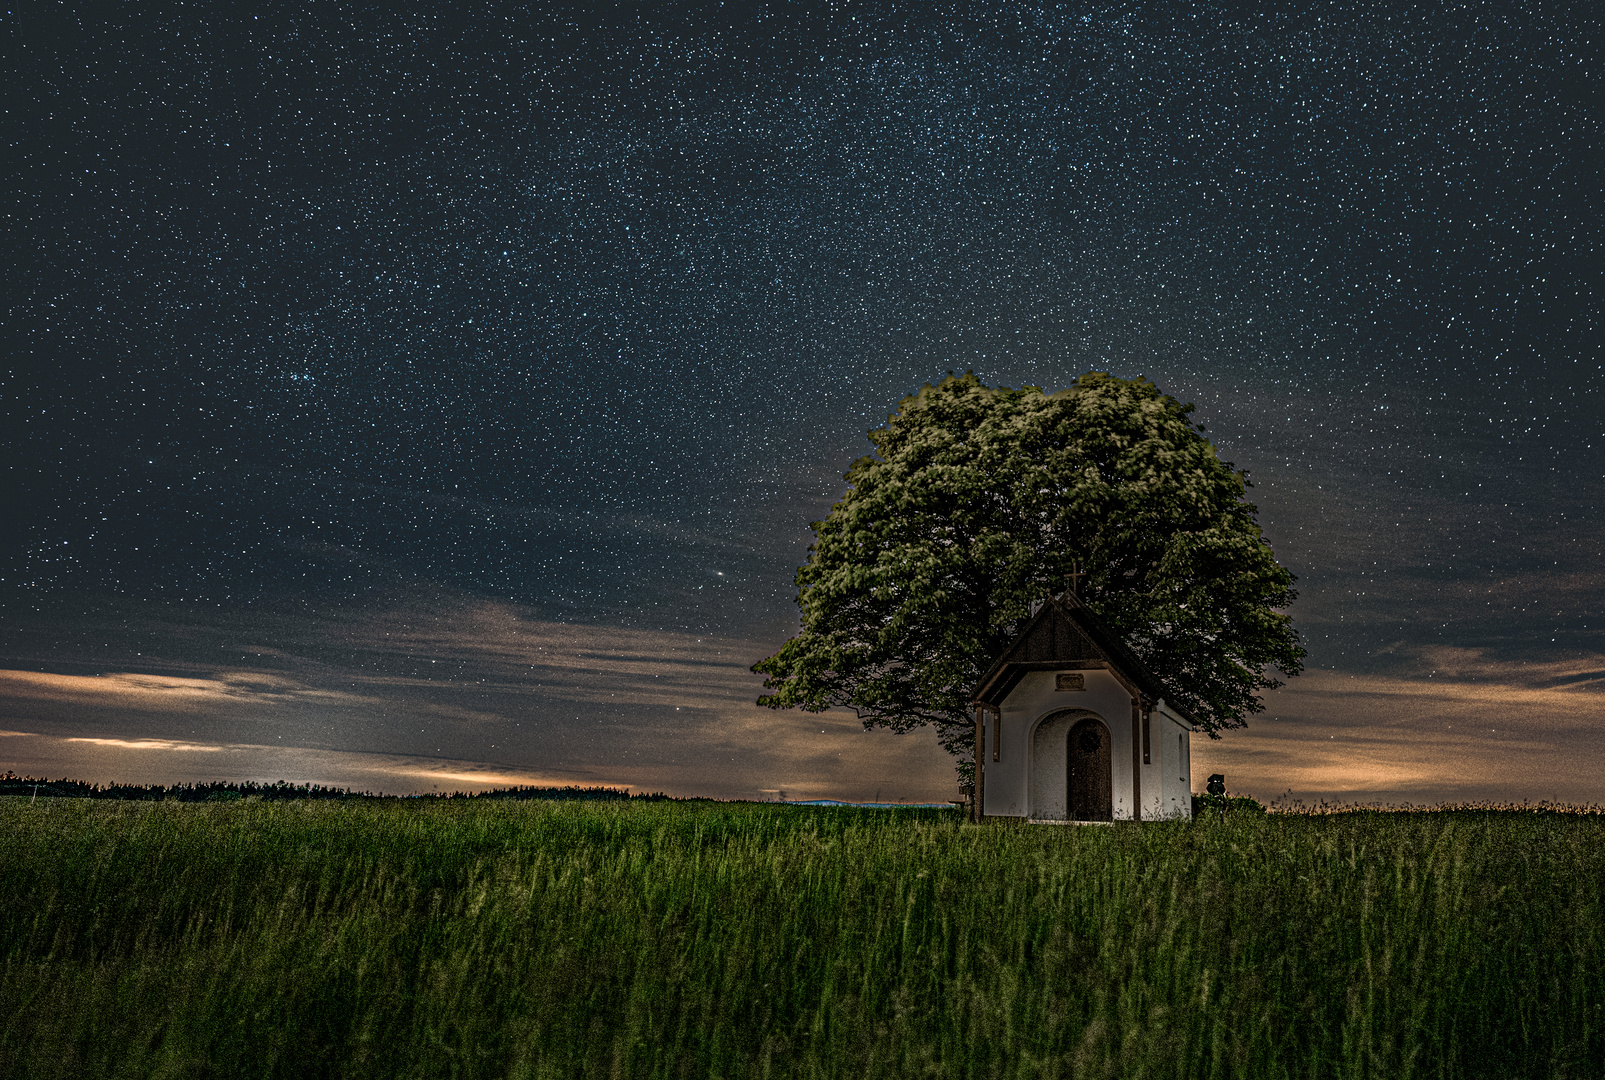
point(980, 501)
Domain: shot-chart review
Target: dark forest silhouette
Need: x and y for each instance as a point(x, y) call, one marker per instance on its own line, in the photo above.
point(222, 791)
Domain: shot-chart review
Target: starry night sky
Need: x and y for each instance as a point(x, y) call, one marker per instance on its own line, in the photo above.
point(439, 398)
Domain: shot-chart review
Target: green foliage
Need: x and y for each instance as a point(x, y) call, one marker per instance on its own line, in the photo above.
point(1226, 804)
point(525, 940)
point(979, 501)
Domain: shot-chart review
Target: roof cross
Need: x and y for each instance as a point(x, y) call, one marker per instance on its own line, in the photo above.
point(1075, 580)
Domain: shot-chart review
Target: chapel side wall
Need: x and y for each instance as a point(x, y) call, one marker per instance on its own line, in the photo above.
point(1008, 782)
point(1163, 783)
point(1156, 797)
point(1174, 779)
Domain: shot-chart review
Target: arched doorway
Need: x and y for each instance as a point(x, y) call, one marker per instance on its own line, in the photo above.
point(1091, 794)
point(1070, 768)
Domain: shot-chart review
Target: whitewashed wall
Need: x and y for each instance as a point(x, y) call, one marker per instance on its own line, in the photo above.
point(1028, 779)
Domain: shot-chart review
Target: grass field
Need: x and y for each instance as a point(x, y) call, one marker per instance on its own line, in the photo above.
point(301, 939)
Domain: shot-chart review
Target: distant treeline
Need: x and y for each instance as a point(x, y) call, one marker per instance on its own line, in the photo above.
point(219, 791)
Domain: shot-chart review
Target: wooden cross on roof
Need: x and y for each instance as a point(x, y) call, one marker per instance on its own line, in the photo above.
point(1075, 580)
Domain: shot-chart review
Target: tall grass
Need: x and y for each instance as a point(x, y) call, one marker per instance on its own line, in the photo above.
point(710, 940)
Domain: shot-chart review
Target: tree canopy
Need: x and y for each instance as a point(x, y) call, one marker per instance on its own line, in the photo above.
point(979, 501)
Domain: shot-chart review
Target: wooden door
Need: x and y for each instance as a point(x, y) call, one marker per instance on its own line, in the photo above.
point(1091, 782)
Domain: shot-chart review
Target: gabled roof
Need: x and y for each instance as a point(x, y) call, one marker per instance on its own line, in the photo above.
point(1065, 632)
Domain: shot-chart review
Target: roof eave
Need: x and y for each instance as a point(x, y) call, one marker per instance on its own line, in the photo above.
point(1004, 674)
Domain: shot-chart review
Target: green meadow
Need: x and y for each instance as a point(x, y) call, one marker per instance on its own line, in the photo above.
point(505, 939)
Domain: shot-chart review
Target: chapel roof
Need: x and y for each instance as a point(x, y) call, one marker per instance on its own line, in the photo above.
point(1064, 632)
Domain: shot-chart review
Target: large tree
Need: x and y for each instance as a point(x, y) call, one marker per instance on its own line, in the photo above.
point(979, 501)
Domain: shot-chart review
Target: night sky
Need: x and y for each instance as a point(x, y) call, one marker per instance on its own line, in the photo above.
point(437, 400)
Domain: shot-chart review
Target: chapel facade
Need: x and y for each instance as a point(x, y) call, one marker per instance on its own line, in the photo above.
point(1072, 726)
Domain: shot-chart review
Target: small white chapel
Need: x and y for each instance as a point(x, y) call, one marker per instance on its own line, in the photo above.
point(1071, 726)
